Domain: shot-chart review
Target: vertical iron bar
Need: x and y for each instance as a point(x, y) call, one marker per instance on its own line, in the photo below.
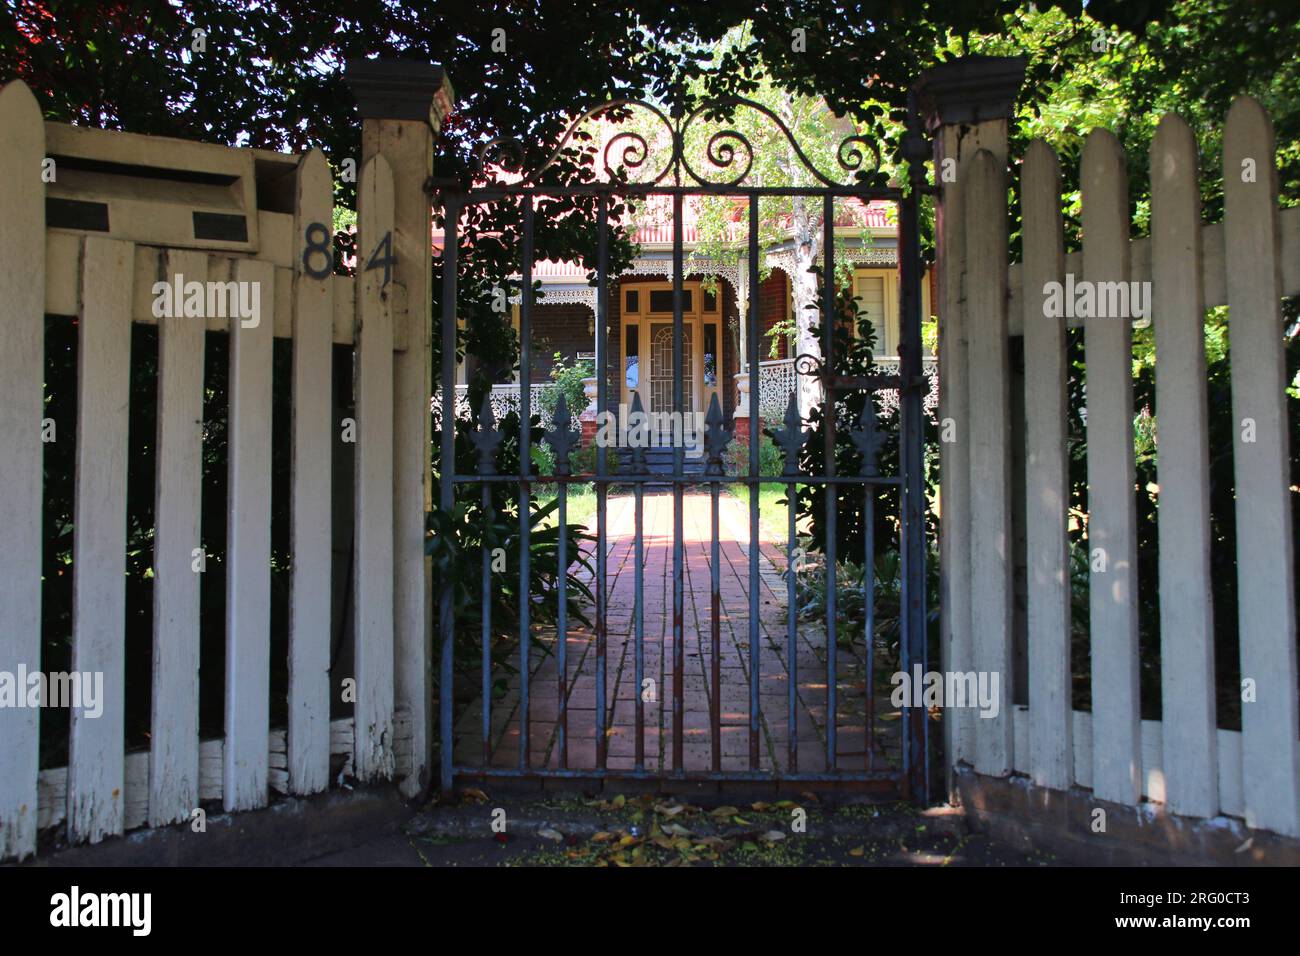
point(639, 546)
point(715, 622)
point(602, 399)
point(525, 470)
point(562, 630)
point(869, 603)
point(792, 634)
point(912, 462)
point(755, 437)
point(486, 598)
point(678, 464)
point(447, 477)
point(904, 623)
point(828, 415)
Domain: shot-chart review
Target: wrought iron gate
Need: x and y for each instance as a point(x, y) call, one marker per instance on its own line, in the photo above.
point(678, 181)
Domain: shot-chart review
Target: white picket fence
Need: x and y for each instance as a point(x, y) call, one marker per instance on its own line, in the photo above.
point(1248, 262)
point(106, 284)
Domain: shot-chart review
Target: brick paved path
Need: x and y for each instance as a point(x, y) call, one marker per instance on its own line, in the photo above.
point(697, 690)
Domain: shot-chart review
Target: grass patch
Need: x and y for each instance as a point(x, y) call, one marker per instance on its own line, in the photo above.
point(773, 512)
point(580, 506)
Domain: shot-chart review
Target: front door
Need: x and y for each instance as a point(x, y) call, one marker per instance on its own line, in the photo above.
point(661, 381)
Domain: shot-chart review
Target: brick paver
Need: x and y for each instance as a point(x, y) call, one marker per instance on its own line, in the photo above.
point(697, 691)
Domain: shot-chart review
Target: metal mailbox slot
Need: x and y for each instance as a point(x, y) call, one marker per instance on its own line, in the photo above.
point(147, 189)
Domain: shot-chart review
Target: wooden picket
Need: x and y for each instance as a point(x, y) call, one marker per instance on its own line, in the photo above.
point(1112, 520)
point(97, 747)
point(179, 558)
point(248, 549)
point(1046, 544)
point(1186, 617)
point(313, 368)
point(1261, 462)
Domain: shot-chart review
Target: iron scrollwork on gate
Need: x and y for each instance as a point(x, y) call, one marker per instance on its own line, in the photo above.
point(723, 149)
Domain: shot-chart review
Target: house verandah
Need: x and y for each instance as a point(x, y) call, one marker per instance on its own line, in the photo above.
point(716, 325)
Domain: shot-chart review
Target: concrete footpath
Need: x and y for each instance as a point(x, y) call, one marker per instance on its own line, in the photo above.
point(664, 831)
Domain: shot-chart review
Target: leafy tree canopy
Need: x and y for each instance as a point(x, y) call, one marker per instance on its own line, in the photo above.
point(270, 75)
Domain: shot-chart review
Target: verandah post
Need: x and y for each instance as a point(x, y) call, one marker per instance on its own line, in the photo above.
point(402, 105)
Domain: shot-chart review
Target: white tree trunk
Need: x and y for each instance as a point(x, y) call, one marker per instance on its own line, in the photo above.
point(803, 291)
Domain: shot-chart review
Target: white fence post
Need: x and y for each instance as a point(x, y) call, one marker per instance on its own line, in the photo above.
point(22, 378)
point(402, 106)
point(373, 562)
point(991, 544)
point(966, 103)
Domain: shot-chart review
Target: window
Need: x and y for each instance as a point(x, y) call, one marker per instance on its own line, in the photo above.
point(710, 301)
point(710, 355)
point(661, 300)
point(631, 348)
point(870, 290)
point(632, 301)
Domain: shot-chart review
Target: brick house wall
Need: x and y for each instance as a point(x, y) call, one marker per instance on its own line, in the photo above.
point(774, 307)
point(559, 328)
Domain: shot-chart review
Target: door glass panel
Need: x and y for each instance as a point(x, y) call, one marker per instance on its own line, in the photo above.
point(661, 369)
point(631, 358)
point(710, 355)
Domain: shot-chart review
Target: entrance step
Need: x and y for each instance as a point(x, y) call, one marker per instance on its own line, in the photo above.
point(659, 461)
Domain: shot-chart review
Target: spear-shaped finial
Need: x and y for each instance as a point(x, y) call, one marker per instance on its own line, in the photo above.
point(562, 438)
point(716, 437)
point(486, 439)
point(868, 439)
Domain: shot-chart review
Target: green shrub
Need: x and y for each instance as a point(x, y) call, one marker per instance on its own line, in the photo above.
point(565, 380)
point(583, 460)
point(770, 460)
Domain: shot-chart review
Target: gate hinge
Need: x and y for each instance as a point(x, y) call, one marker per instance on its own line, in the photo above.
point(434, 185)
